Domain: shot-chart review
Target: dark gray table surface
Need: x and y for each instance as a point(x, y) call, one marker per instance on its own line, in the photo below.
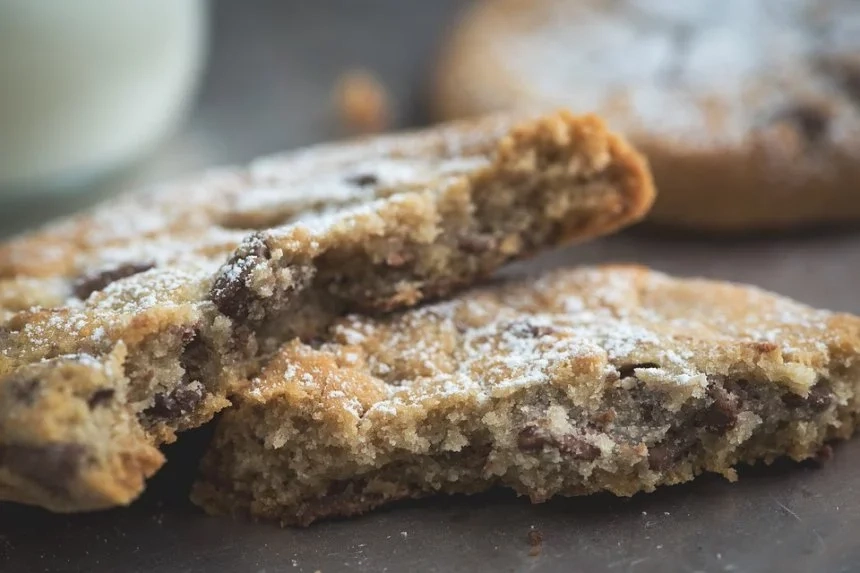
point(273, 65)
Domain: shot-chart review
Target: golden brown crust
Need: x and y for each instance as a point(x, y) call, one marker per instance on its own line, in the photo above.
point(198, 281)
point(68, 439)
point(614, 378)
point(745, 130)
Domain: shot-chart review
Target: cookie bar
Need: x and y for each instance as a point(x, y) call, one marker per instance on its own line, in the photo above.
point(137, 318)
point(614, 379)
point(749, 112)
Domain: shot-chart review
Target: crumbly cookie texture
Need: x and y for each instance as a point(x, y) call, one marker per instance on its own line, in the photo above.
point(155, 305)
point(749, 112)
point(614, 378)
point(79, 441)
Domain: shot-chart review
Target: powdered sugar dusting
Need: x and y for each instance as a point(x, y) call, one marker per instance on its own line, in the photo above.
point(705, 73)
point(163, 252)
point(208, 215)
point(183, 233)
point(97, 324)
point(363, 189)
point(490, 343)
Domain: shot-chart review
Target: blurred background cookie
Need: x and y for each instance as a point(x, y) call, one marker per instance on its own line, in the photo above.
point(362, 103)
point(748, 111)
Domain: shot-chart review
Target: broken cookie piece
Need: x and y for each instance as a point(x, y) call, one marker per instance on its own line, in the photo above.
point(69, 438)
point(200, 281)
point(614, 379)
point(765, 137)
point(548, 182)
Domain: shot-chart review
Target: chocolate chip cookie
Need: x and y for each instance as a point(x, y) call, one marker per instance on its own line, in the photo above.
point(614, 379)
point(749, 112)
point(126, 325)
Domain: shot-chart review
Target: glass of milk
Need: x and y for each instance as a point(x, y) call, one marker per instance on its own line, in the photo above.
point(89, 86)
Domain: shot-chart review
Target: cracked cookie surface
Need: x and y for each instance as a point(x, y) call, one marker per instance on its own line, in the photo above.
point(614, 379)
point(149, 308)
point(749, 112)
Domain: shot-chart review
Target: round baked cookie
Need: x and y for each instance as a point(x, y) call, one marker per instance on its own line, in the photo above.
point(748, 110)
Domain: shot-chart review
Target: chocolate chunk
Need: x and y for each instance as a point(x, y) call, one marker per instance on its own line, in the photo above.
point(578, 448)
point(531, 439)
point(792, 400)
point(764, 347)
point(363, 179)
point(195, 355)
point(24, 391)
point(539, 331)
point(718, 419)
point(722, 415)
point(230, 293)
point(526, 328)
point(739, 387)
point(52, 466)
point(174, 404)
point(651, 410)
point(476, 243)
point(626, 371)
point(664, 455)
point(812, 121)
point(659, 458)
point(101, 397)
point(88, 284)
point(824, 454)
point(604, 418)
point(535, 539)
point(820, 398)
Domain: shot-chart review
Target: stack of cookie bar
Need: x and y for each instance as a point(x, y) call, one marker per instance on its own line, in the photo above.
point(327, 303)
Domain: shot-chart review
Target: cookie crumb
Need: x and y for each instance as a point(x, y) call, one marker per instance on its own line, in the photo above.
point(362, 102)
point(824, 454)
point(535, 539)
